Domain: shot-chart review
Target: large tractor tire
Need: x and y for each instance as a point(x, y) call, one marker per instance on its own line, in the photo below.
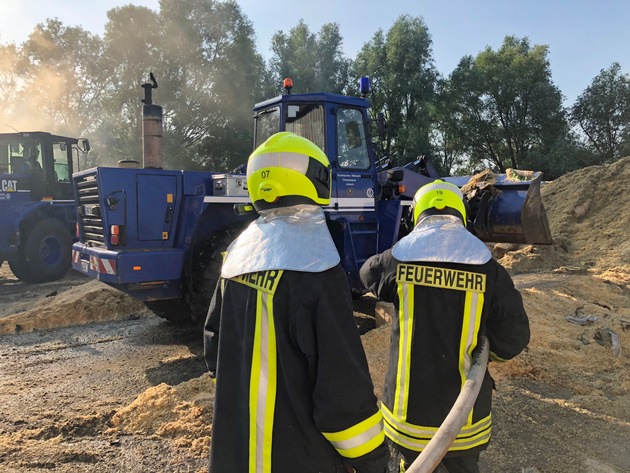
point(45, 254)
point(206, 272)
point(18, 268)
point(193, 308)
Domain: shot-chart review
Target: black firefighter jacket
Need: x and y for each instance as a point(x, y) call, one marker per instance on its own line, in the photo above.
point(441, 308)
point(293, 390)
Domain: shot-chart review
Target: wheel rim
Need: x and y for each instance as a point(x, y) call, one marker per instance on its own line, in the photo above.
point(50, 251)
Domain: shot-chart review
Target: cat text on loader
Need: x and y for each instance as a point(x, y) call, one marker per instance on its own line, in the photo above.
point(158, 234)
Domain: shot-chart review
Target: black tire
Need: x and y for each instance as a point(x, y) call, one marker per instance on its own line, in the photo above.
point(206, 272)
point(19, 268)
point(46, 253)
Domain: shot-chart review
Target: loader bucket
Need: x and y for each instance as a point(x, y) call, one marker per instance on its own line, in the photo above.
point(502, 208)
point(509, 209)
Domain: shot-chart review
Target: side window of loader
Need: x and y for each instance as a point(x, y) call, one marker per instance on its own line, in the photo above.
point(60, 160)
point(267, 123)
point(25, 156)
point(352, 150)
point(4, 157)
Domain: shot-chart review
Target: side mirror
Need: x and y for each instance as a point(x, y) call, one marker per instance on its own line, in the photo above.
point(84, 144)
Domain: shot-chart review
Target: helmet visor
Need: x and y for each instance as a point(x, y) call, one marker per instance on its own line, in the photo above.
point(296, 161)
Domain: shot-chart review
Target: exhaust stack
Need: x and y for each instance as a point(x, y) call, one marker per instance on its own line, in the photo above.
point(151, 128)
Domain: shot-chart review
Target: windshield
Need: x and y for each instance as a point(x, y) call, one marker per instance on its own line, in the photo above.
point(306, 120)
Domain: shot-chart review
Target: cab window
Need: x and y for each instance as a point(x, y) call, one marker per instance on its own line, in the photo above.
point(60, 160)
point(267, 124)
point(24, 156)
point(352, 150)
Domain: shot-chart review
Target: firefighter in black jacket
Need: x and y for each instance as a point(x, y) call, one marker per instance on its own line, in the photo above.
point(447, 290)
point(293, 390)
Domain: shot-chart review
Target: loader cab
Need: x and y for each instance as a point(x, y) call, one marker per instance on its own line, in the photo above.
point(40, 163)
point(339, 125)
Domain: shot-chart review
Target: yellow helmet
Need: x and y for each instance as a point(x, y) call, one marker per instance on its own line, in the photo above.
point(286, 170)
point(438, 198)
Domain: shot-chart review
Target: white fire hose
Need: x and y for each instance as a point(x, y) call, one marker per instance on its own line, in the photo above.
point(437, 447)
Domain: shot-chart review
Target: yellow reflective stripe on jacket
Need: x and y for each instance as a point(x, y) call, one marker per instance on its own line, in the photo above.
point(405, 315)
point(418, 444)
point(263, 376)
point(473, 306)
point(419, 431)
point(266, 281)
point(359, 439)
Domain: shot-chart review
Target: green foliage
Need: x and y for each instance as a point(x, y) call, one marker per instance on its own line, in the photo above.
point(449, 147)
point(315, 62)
point(203, 55)
point(602, 112)
point(400, 66)
point(504, 104)
point(12, 67)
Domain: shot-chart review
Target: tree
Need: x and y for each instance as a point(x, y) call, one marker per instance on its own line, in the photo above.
point(448, 146)
point(505, 105)
point(602, 112)
point(216, 79)
point(315, 62)
point(132, 50)
point(400, 66)
point(209, 76)
point(58, 84)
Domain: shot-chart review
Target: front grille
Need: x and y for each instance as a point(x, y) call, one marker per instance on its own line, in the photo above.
point(91, 220)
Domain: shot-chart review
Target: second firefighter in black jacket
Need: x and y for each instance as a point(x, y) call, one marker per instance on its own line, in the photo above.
point(446, 289)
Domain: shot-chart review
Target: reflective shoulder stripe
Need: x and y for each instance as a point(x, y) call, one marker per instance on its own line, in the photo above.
point(359, 439)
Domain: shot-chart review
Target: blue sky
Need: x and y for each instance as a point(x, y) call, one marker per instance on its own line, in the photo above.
point(584, 36)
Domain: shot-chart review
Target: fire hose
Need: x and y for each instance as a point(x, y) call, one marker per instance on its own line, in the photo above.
point(437, 447)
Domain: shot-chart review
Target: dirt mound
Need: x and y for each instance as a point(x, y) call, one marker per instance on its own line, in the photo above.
point(87, 303)
point(181, 412)
point(588, 223)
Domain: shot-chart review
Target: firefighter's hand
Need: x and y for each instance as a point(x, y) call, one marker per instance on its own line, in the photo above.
point(349, 469)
